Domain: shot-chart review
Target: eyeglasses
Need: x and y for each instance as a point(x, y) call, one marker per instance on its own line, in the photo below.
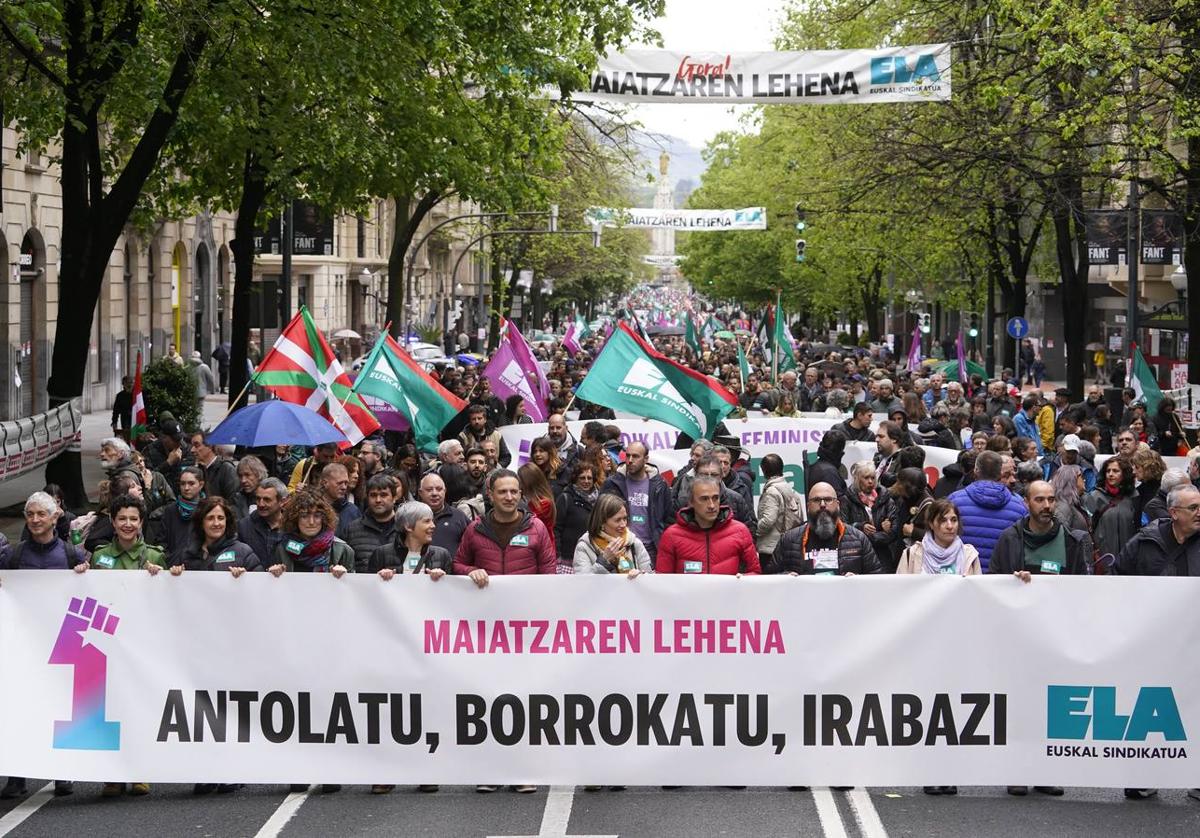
point(1193, 508)
point(823, 501)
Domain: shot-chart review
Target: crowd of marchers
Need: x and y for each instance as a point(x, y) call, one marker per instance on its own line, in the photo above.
point(1041, 485)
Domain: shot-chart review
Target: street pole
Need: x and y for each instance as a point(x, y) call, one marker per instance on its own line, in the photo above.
point(285, 242)
point(1134, 241)
point(990, 316)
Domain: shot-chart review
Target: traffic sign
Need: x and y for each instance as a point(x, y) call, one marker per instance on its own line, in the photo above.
point(1018, 327)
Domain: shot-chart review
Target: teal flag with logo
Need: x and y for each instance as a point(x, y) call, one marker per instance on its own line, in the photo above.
point(743, 365)
point(632, 376)
point(689, 337)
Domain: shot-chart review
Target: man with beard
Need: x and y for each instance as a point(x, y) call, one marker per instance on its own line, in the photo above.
point(373, 456)
point(647, 496)
point(824, 546)
point(1038, 544)
point(477, 469)
point(568, 448)
point(754, 397)
point(480, 429)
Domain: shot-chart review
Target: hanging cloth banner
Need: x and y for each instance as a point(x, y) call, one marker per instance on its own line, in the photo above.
point(815, 77)
point(749, 218)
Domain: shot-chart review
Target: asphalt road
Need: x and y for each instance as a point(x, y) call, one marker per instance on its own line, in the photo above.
point(569, 811)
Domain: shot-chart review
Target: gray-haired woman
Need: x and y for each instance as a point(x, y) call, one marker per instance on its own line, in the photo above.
point(412, 550)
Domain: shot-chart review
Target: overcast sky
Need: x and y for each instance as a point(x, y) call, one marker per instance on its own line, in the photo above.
point(704, 26)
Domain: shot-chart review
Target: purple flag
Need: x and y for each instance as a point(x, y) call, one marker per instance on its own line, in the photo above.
point(914, 351)
point(513, 371)
point(570, 340)
point(962, 359)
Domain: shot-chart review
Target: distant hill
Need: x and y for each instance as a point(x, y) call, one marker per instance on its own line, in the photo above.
point(687, 165)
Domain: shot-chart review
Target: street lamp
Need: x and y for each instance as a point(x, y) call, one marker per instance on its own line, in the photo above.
point(1179, 281)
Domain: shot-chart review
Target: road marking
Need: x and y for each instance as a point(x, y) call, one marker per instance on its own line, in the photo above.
point(828, 814)
point(557, 814)
point(865, 813)
point(19, 813)
point(286, 811)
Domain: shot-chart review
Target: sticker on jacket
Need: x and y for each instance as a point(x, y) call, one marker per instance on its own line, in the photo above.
point(227, 556)
point(1049, 566)
point(106, 561)
point(294, 547)
point(693, 567)
point(519, 541)
point(824, 559)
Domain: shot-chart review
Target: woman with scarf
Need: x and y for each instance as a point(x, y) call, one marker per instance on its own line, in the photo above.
point(574, 509)
point(941, 551)
point(1110, 506)
point(170, 526)
point(609, 546)
point(859, 503)
point(309, 545)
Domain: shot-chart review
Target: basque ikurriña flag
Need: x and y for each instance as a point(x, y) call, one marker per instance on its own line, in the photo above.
point(302, 369)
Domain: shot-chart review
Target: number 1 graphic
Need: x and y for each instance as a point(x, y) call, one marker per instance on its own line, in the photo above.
point(87, 729)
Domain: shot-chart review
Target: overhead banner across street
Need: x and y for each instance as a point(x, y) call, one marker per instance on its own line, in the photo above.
point(589, 679)
point(815, 77)
point(750, 218)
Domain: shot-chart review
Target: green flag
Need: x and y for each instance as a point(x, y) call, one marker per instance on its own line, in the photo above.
point(631, 375)
point(743, 365)
point(1144, 384)
point(689, 337)
point(393, 377)
point(782, 342)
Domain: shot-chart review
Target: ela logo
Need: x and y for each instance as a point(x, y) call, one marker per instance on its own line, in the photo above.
point(894, 69)
point(1071, 710)
point(87, 729)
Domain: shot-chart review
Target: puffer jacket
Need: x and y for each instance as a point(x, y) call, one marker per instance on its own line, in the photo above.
point(394, 555)
point(986, 509)
point(855, 554)
point(222, 555)
point(339, 554)
point(530, 551)
point(724, 548)
point(365, 535)
point(1151, 553)
point(587, 557)
point(933, 432)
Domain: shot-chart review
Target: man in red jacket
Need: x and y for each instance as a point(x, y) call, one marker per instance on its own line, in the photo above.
point(507, 540)
point(706, 538)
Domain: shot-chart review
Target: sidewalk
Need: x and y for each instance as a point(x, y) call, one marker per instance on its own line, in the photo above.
point(95, 428)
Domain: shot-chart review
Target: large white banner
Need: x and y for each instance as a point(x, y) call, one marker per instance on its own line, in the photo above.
point(120, 676)
point(793, 440)
point(816, 77)
point(749, 218)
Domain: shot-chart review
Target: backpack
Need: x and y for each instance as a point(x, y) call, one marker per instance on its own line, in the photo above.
point(790, 504)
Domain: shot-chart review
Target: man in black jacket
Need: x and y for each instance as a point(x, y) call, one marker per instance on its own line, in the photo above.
point(858, 427)
point(824, 546)
point(262, 529)
point(368, 533)
point(449, 522)
point(1168, 546)
point(1038, 544)
point(647, 496)
point(220, 474)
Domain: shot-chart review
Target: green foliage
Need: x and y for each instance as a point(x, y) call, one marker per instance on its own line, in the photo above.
point(171, 387)
point(429, 334)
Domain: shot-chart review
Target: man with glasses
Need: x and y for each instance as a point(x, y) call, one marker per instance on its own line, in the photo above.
point(824, 546)
point(1166, 547)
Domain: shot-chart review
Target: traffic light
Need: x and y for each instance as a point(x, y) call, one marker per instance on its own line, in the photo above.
point(800, 245)
point(925, 326)
point(801, 218)
point(973, 329)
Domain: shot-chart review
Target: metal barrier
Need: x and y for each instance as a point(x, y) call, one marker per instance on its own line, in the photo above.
point(34, 441)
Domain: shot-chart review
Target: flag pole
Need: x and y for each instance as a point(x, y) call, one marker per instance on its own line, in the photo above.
point(775, 351)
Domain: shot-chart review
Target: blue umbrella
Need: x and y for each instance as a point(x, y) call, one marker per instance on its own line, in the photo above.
point(468, 360)
point(275, 422)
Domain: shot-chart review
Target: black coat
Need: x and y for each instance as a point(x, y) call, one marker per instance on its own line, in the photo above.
point(222, 555)
point(432, 558)
point(365, 535)
point(823, 471)
point(855, 554)
point(1153, 551)
point(573, 509)
point(1008, 556)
